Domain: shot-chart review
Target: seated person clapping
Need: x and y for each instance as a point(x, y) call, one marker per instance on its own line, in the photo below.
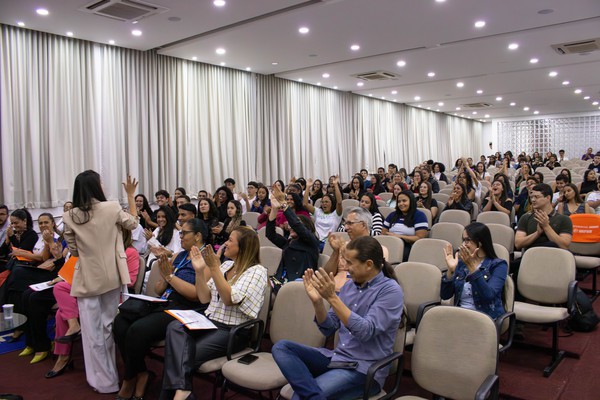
point(497, 199)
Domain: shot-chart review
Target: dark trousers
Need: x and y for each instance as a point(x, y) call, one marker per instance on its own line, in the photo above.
point(19, 280)
point(37, 306)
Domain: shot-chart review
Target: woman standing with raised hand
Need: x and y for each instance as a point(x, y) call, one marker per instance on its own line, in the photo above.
point(93, 233)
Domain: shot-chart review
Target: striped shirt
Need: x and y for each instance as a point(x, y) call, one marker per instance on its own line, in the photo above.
point(399, 228)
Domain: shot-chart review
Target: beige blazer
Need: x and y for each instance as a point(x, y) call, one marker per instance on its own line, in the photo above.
point(98, 243)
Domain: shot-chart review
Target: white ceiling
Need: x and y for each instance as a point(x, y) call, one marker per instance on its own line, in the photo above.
point(430, 36)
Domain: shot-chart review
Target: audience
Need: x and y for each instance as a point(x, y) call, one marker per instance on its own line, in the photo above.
point(572, 203)
point(328, 216)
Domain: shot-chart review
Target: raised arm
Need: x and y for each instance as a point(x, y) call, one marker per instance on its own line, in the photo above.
point(305, 202)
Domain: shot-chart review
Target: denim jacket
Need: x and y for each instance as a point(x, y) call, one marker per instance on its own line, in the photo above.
point(487, 284)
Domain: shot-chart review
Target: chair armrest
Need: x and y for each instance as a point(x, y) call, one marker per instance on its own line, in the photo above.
point(488, 389)
point(571, 297)
point(238, 328)
point(511, 329)
point(381, 364)
point(422, 308)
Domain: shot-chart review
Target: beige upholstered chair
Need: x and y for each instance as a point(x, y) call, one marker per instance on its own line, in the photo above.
point(395, 247)
point(503, 235)
point(507, 324)
point(441, 197)
point(251, 219)
point(448, 231)
point(587, 258)
point(270, 257)
point(474, 211)
point(428, 215)
point(443, 360)
point(386, 196)
point(429, 251)
point(458, 216)
point(547, 277)
point(262, 236)
point(292, 319)
point(494, 217)
point(502, 253)
point(381, 203)
point(152, 279)
point(327, 250)
point(139, 280)
point(346, 203)
point(385, 211)
point(323, 259)
point(420, 284)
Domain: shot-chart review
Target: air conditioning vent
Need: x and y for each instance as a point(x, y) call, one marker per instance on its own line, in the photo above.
point(475, 105)
point(377, 76)
point(579, 47)
point(123, 10)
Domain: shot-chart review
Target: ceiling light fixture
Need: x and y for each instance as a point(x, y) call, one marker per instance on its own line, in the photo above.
point(69, 34)
point(401, 63)
point(577, 91)
point(565, 83)
point(586, 98)
point(417, 98)
point(474, 112)
point(250, 69)
point(220, 51)
point(136, 32)
point(431, 74)
point(441, 103)
point(360, 84)
point(300, 80)
point(42, 11)
point(394, 92)
point(499, 98)
point(552, 74)
point(325, 75)
point(219, 3)
point(370, 94)
point(513, 46)
point(486, 116)
point(479, 24)
point(525, 108)
point(274, 63)
point(595, 103)
point(194, 58)
point(513, 104)
point(303, 30)
point(335, 87)
point(534, 61)
point(460, 84)
point(457, 108)
point(111, 41)
point(318, 83)
point(21, 23)
point(479, 91)
point(222, 64)
point(382, 97)
point(355, 47)
point(536, 112)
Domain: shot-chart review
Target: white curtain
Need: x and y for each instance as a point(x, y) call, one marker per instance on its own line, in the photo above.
point(69, 105)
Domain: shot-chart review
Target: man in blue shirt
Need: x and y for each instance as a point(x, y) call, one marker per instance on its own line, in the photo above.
point(367, 316)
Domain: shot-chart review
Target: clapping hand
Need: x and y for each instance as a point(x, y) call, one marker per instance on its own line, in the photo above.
point(336, 242)
point(148, 233)
point(48, 236)
point(311, 291)
point(164, 265)
point(210, 258)
point(470, 259)
point(197, 260)
point(275, 203)
point(451, 260)
point(323, 283)
point(277, 195)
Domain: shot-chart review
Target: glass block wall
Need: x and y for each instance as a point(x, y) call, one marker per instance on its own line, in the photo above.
point(573, 134)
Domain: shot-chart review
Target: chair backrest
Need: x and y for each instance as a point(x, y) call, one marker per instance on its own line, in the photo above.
point(381, 203)
point(317, 203)
point(449, 231)
point(270, 257)
point(386, 196)
point(442, 184)
point(139, 280)
point(323, 259)
point(327, 250)
point(262, 236)
point(395, 247)
point(443, 361)
point(420, 283)
point(585, 249)
point(502, 253)
point(152, 279)
point(493, 217)
point(429, 251)
point(458, 216)
point(508, 300)
point(428, 215)
point(441, 207)
point(293, 317)
point(503, 235)
point(251, 219)
point(545, 274)
point(441, 196)
point(474, 211)
point(350, 203)
point(385, 211)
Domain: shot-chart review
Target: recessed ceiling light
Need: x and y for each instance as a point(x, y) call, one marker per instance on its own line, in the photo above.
point(437, 109)
point(486, 116)
point(69, 33)
point(111, 42)
point(401, 63)
point(420, 105)
point(325, 75)
point(429, 108)
point(455, 114)
point(220, 51)
point(417, 98)
point(42, 11)
point(300, 80)
point(335, 87)
point(479, 24)
point(303, 30)
point(21, 23)
point(136, 32)
point(355, 47)
point(479, 91)
point(565, 83)
point(552, 74)
point(534, 61)
point(513, 46)
point(460, 84)
point(394, 92)
point(248, 69)
point(194, 58)
point(513, 104)
point(441, 103)
point(274, 63)
point(135, 22)
point(595, 103)
point(219, 3)
point(370, 94)
point(577, 91)
point(382, 97)
point(499, 98)
point(431, 74)
point(440, 1)
point(457, 108)
point(474, 112)
point(318, 83)
point(360, 84)
point(222, 64)
point(536, 112)
point(525, 108)
point(586, 98)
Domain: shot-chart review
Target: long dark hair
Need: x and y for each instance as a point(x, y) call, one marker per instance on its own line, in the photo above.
point(298, 206)
point(588, 186)
point(198, 226)
point(213, 211)
point(464, 197)
point(87, 188)
point(480, 234)
point(23, 215)
point(374, 208)
point(166, 234)
point(409, 218)
point(369, 248)
point(427, 200)
point(505, 189)
point(146, 205)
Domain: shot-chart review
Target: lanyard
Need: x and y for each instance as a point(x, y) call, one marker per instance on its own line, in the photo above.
point(180, 265)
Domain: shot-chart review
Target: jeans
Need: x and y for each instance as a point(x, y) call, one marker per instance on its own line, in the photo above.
point(306, 370)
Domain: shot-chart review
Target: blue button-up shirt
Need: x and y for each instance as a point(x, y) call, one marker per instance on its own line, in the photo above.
point(376, 308)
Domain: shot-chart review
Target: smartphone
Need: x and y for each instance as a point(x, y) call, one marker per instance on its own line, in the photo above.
point(343, 365)
point(247, 359)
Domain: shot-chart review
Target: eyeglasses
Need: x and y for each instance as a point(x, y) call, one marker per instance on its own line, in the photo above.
point(183, 233)
point(351, 222)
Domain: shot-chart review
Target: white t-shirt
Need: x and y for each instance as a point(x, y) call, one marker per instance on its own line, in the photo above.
point(174, 245)
point(595, 196)
point(326, 223)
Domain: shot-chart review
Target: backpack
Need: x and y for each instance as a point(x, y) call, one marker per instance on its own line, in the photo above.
point(583, 318)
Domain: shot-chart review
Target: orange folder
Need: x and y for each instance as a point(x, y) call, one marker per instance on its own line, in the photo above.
point(68, 269)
